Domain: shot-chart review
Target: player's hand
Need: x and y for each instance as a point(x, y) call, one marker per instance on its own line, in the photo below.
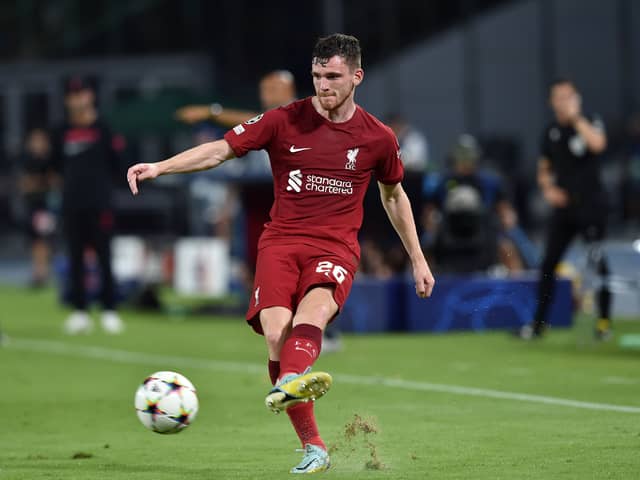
point(423, 278)
point(556, 196)
point(574, 107)
point(193, 113)
point(139, 173)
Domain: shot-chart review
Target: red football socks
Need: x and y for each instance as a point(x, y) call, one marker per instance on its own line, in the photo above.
point(304, 422)
point(300, 349)
point(274, 370)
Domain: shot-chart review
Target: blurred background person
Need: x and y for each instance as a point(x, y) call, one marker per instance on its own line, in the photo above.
point(413, 143)
point(253, 176)
point(276, 88)
point(516, 251)
point(469, 224)
point(372, 260)
point(85, 153)
point(36, 183)
point(417, 163)
point(570, 180)
point(382, 254)
point(213, 201)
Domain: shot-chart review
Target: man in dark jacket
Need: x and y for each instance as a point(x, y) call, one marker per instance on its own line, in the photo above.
point(85, 154)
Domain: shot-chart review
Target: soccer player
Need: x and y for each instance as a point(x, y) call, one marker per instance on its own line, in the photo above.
point(569, 177)
point(323, 152)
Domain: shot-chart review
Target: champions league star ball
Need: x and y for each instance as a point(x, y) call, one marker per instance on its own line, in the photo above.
point(166, 402)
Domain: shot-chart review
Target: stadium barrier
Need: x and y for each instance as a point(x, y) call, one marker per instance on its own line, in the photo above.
point(457, 303)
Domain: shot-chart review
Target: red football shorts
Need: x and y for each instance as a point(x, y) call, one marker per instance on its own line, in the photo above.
point(285, 273)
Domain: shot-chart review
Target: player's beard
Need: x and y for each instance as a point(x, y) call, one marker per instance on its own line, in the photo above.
point(337, 105)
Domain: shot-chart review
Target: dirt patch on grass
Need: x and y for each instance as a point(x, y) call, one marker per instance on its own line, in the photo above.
point(80, 455)
point(360, 431)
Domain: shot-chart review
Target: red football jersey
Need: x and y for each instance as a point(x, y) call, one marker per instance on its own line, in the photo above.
point(321, 171)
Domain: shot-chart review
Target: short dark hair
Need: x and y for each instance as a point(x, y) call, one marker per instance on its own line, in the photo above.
point(561, 81)
point(345, 46)
point(78, 83)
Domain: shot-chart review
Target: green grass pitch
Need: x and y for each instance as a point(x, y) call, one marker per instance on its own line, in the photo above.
point(437, 403)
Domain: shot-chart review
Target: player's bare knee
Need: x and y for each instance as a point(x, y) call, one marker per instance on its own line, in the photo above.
point(318, 315)
point(324, 312)
point(275, 323)
point(275, 337)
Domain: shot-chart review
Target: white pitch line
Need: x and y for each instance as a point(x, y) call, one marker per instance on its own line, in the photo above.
point(169, 362)
point(620, 380)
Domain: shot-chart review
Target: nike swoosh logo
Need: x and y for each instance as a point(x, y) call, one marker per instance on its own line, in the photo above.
point(293, 149)
point(306, 466)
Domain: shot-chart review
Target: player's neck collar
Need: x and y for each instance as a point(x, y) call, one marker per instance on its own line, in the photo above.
point(313, 101)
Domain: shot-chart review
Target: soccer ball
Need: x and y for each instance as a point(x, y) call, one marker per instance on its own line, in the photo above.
point(166, 402)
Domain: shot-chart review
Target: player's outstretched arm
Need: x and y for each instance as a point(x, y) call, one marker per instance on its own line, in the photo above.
point(193, 113)
point(203, 157)
point(227, 117)
point(398, 208)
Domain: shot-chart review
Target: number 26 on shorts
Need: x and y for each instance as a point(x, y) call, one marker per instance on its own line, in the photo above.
point(338, 272)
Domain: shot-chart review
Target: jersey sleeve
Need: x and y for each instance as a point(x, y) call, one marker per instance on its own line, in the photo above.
point(254, 134)
point(389, 169)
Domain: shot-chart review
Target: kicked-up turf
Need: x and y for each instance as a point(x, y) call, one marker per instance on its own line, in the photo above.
point(455, 406)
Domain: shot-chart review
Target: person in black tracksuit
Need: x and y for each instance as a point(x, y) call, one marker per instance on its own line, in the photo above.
point(569, 177)
point(85, 155)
